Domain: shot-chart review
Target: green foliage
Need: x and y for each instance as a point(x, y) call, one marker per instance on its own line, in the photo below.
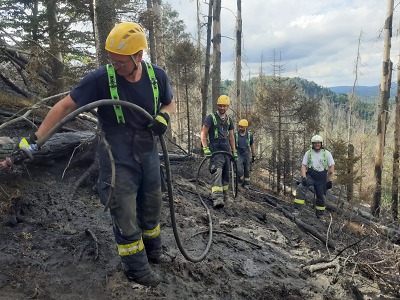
point(183, 60)
point(174, 28)
point(344, 164)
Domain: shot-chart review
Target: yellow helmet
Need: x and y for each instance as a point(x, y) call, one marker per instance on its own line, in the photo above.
point(223, 100)
point(243, 123)
point(126, 39)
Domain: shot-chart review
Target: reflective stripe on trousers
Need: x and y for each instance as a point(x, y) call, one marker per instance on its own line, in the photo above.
point(318, 180)
point(220, 178)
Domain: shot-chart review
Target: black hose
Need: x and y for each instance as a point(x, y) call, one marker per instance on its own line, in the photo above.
point(210, 227)
point(235, 178)
point(98, 103)
point(172, 213)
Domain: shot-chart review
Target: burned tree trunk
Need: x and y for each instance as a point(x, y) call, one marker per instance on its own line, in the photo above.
point(384, 96)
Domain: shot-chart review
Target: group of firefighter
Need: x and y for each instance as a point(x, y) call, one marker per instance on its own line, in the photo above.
point(135, 207)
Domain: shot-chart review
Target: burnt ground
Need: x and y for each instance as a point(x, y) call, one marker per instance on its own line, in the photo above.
point(57, 243)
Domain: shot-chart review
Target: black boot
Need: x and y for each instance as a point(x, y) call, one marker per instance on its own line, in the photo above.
point(159, 259)
point(147, 278)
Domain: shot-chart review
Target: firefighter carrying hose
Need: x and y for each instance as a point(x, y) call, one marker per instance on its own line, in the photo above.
point(219, 128)
point(136, 200)
point(317, 170)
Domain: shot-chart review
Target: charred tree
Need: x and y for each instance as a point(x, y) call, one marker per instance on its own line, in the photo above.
point(238, 58)
point(56, 59)
point(384, 96)
point(104, 21)
point(396, 151)
point(152, 39)
point(216, 73)
point(206, 78)
point(159, 33)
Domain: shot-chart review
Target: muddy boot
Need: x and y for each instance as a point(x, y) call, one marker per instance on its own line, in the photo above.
point(218, 203)
point(217, 200)
point(147, 277)
point(296, 210)
point(160, 259)
point(319, 214)
point(227, 199)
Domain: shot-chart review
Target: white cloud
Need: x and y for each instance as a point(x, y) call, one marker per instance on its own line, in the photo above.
point(316, 40)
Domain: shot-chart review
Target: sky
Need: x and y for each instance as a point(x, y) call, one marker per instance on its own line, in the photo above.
point(313, 39)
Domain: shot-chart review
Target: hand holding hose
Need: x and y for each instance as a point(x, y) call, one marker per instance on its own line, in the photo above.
point(28, 146)
point(235, 155)
point(160, 123)
point(207, 151)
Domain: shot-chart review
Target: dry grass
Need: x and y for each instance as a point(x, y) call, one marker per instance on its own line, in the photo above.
point(354, 227)
point(15, 104)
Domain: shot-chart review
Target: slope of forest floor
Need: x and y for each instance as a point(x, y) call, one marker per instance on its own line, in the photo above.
point(56, 242)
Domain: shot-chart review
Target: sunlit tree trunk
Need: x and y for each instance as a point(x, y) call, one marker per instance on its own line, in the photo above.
point(384, 96)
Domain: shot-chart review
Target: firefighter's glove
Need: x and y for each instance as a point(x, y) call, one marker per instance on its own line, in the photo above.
point(253, 158)
point(328, 185)
point(207, 152)
point(235, 155)
point(28, 146)
point(304, 181)
point(160, 123)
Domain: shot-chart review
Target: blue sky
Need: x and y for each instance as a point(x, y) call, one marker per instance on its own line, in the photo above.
point(316, 40)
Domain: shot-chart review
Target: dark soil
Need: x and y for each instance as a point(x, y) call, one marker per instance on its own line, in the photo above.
point(57, 243)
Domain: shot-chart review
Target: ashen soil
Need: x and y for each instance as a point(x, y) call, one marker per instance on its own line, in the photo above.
point(57, 243)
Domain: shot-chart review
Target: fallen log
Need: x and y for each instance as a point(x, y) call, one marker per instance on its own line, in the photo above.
point(391, 233)
point(323, 266)
point(306, 227)
point(61, 145)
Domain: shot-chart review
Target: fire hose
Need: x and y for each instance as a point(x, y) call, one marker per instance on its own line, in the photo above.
point(26, 154)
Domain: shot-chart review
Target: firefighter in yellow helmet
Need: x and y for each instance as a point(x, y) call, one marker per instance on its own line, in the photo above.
point(317, 170)
point(218, 128)
point(136, 199)
point(246, 154)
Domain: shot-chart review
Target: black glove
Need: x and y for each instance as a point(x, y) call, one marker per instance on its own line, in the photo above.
point(304, 181)
point(160, 123)
point(328, 185)
point(253, 158)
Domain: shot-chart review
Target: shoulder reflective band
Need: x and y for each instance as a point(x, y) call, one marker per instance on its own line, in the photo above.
point(154, 85)
point(112, 82)
point(237, 139)
point(247, 140)
point(215, 126)
point(310, 158)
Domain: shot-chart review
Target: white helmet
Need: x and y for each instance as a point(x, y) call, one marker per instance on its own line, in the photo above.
point(317, 139)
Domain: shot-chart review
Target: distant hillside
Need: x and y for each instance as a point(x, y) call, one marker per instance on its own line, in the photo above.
point(369, 91)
